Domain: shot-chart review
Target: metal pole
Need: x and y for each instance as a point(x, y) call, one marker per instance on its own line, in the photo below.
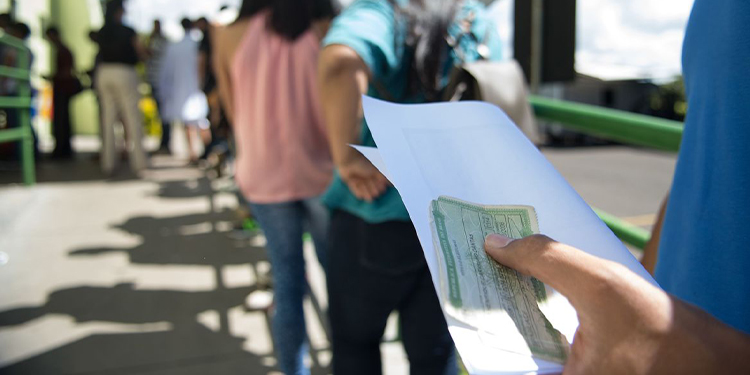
point(537, 40)
point(626, 232)
point(626, 127)
point(27, 142)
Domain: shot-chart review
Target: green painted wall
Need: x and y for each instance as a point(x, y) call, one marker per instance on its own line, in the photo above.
point(75, 18)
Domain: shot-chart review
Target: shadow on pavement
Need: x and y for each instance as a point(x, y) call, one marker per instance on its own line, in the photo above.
point(182, 240)
point(82, 167)
point(185, 188)
point(185, 346)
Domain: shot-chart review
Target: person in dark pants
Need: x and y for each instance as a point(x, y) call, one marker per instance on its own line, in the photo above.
point(208, 86)
point(157, 43)
point(376, 264)
point(64, 86)
point(375, 283)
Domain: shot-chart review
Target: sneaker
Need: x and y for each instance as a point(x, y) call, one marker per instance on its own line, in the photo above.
point(259, 300)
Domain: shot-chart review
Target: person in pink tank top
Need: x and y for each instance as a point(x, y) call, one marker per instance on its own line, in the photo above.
point(266, 64)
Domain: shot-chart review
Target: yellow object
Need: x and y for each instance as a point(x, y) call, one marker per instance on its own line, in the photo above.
point(151, 120)
point(45, 101)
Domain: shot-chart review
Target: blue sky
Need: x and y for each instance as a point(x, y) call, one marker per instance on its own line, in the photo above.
point(616, 38)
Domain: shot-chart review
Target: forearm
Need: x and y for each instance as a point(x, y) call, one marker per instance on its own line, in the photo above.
point(651, 250)
point(627, 325)
point(223, 82)
point(700, 344)
point(731, 347)
point(343, 79)
point(202, 68)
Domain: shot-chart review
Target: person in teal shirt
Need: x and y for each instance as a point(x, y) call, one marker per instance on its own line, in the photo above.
point(403, 53)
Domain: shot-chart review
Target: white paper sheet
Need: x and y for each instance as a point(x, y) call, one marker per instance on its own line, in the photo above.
point(472, 151)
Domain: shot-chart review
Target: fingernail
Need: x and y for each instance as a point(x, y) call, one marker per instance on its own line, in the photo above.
point(496, 240)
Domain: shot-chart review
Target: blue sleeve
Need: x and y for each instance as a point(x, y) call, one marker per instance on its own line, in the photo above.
point(367, 27)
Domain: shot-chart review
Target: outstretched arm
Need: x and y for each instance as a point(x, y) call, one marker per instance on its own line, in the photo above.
point(651, 250)
point(343, 78)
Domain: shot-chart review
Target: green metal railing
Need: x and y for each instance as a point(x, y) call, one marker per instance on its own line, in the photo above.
point(621, 126)
point(22, 133)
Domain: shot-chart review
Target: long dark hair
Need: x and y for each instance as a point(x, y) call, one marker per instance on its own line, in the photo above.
point(251, 7)
point(289, 18)
point(427, 39)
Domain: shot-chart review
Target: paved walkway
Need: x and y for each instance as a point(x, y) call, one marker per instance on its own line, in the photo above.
point(136, 276)
point(141, 276)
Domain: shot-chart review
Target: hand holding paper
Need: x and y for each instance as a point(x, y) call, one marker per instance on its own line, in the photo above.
point(473, 152)
point(497, 301)
point(628, 326)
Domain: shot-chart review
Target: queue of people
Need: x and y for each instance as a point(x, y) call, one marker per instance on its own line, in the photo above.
point(374, 265)
point(290, 76)
point(176, 72)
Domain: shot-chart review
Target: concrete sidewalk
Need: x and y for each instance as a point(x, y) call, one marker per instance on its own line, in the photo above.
point(141, 276)
point(137, 276)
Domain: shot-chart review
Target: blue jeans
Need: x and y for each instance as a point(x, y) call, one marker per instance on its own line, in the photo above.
point(283, 225)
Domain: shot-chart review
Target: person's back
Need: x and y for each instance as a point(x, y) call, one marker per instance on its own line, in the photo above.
point(117, 88)
point(179, 89)
point(265, 65)
point(178, 77)
point(703, 254)
point(116, 44)
point(277, 116)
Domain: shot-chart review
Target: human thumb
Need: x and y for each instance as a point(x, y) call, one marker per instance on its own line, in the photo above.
point(504, 250)
point(566, 269)
point(495, 241)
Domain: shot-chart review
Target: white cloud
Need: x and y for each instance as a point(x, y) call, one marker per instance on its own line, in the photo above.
point(619, 39)
point(634, 38)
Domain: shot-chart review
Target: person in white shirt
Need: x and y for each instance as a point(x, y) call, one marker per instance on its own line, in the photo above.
point(179, 88)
